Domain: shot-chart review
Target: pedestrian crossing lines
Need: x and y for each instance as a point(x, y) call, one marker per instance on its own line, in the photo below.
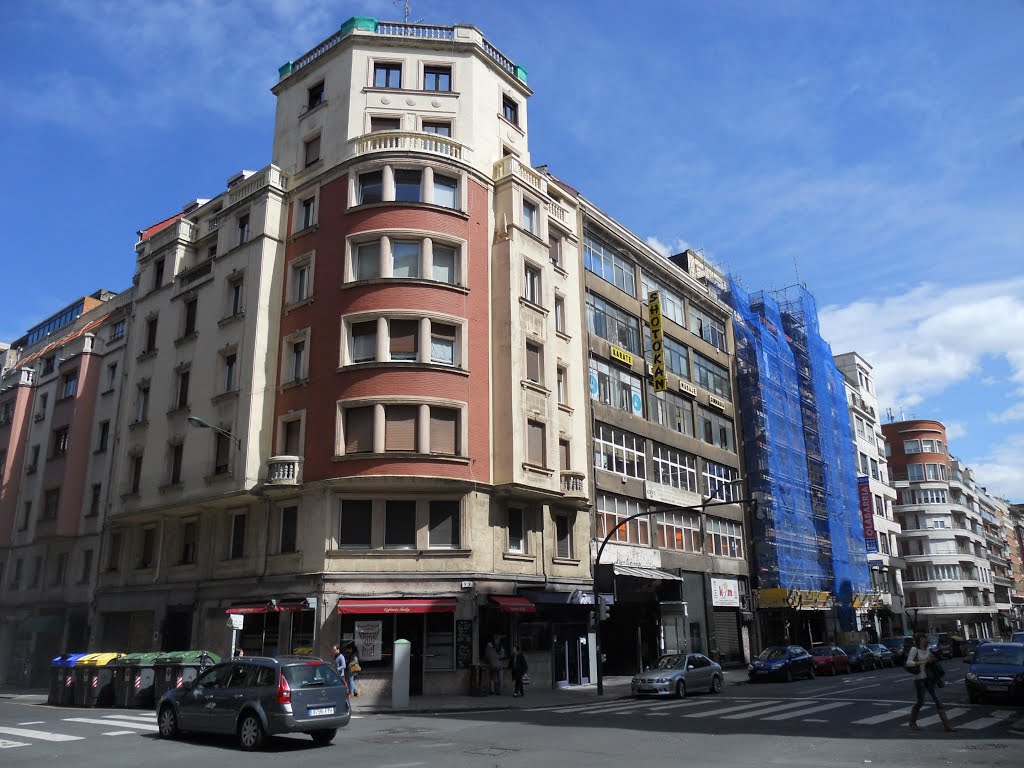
point(123, 723)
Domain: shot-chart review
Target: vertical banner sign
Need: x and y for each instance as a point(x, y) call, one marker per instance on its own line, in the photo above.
point(657, 343)
point(867, 515)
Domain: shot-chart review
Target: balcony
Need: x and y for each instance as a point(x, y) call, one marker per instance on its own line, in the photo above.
point(182, 230)
point(574, 484)
point(411, 141)
point(511, 166)
point(271, 176)
point(284, 470)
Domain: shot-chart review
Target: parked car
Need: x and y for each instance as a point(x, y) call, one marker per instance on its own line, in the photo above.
point(900, 647)
point(861, 657)
point(883, 655)
point(1017, 637)
point(830, 660)
point(677, 674)
point(997, 670)
point(971, 645)
point(941, 645)
point(782, 661)
point(257, 697)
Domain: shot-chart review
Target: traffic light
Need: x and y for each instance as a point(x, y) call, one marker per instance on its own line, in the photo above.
point(602, 609)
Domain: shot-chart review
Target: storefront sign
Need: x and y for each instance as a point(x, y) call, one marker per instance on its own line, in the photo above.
point(867, 515)
point(725, 593)
point(463, 643)
point(622, 356)
point(716, 402)
point(667, 494)
point(657, 342)
point(687, 388)
point(368, 640)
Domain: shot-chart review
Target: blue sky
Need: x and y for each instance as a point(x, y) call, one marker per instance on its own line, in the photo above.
point(872, 150)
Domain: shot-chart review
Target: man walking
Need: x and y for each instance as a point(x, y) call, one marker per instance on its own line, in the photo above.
point(339, 660)
point(494, 663)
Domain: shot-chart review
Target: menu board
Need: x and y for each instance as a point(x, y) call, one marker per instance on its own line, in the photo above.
point(463, 643)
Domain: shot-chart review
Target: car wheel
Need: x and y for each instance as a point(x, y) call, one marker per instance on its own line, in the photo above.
point(973, 697)
point(789, 674)
point(324, 737)
point(250, 732)
point(167, 723)
point(680, 690)
point(716, 684)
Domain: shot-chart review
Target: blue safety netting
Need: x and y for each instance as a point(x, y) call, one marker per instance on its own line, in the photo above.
point(798, 448)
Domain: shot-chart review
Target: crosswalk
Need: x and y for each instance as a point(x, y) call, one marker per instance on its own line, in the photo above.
point(120, 724)
point(770, 711)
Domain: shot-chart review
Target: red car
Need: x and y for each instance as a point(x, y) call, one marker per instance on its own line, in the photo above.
point(829, 660)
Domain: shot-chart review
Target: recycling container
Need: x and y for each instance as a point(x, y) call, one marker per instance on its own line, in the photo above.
point(173, 670)
point(94, 680)
point(134, 676)
point(62, 680)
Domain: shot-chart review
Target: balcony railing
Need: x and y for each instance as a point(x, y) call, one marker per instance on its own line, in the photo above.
point(269, 176)
point(183, 230)
point(409, 141)
point(574, 484)
point(284, 470)
point(511, 166)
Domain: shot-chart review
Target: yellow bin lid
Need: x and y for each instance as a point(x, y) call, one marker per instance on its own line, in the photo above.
point(96, 659)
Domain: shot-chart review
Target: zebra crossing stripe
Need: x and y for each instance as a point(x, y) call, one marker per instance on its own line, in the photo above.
point(119, 733)
point(148, 717)
point(759, 712)
point(876, 719)
point(951, 712)
point(603, 705)
point(984, 722)
point(27, 733)
point(810, 711)
point(121, 723)
point(730, 710)
point(6, 744)
point(656, 705)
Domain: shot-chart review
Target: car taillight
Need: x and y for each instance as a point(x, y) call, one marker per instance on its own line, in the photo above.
point(284, 691)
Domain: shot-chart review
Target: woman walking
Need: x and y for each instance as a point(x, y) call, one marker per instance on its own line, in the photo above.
point(921, 660)
point(518, 667)
point(353, 669)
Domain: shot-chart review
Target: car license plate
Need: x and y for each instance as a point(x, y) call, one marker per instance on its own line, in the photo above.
point(997, 687)
point(318, 711)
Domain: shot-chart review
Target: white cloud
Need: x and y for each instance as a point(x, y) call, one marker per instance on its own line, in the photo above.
point(678, 245)
point(1013, 413)
point(1000, 471)
point(955, 429)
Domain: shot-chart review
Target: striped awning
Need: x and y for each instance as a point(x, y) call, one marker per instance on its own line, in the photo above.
point(645, 573)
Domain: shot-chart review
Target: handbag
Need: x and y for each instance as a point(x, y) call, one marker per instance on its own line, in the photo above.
point(355, 668)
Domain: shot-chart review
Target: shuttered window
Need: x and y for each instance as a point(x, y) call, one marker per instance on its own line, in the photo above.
point(444, 429)
point(533, 362)
point(400, 427)
point(563, 455)
point(444, 524)
point(442, 343)
point(364, 341)
point(403, 339)
point(535, 443)
point(400, 525)
point(359, 430)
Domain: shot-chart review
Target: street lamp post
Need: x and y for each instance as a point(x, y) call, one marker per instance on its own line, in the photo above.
point(195, 421)
point(709, 501)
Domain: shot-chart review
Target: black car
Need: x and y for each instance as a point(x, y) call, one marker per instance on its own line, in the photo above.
point(900, 647)
point(861, 657)
point(997, 670)
point(782, 661)
point(941, 645)
point(885, 657)
point(254, 698)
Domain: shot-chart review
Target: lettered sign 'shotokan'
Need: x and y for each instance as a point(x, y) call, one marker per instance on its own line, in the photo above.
point(657, 343)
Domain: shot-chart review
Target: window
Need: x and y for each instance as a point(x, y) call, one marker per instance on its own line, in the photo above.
point(718, 481)
point(711, 376)
point(510, 110)
point(191, 310)
point(927, 446)
point(300, 280)
point(114, 551)
point(874, 469)
point(242, 234)
point(311, 152)
point(236, 547)
point(516, 525)
point(221, 454)
point(443, 525)
point(69, 386)
point(911, 446)
point(292, 438)
point(136, 474)
point(60, 441)
point(158, 273)
point(555, 251)
point(86, 567)
point(367, 258)
point(94, 500)
point(405, 258)
point(438, 128)
point(531, 285)
point(315, 96)
point(671, 302)
point(442, 343)
point(51, 504)
point(531, 221)
point(437, 78)
point(150, 335)
point(26, 516)
point(147, 544)
point(676, 354)
point(34, 463)
point(408, 185)
point(536, 450)
point(289, 530)
point(915, 472)
point(306, 214)
point(709, 328)
point(717, 430)
point(356, 524)
point(49, 364)
point(611, 510)
point(399, 524)
point(443, 268)
point(142, 404)
point(679, 531)
point(16, 576)
point(117, 330)
point(616, 387)
point(564, 463)
point(619, 451)
point(37, 571)
point(723, 537)
point(111, 375)
point(385, 124)
point(359, 429)
point(181, 401)
point(534, 363)
point(364, 341)
point(371, 187)
point(559, 314)
point(670, 410)
point(400, 431)
point(60, 570)
point(387, 74)
point(176, 457)
point(609, 265)
point(404, 341)
point(444, 431)
point(611, 323)
point(674, 467)
point(230, 371)
point(563, 536)
point(297, 359)
point(235, 298)
point(561, 387)
point(446, 191)
point(189, 542)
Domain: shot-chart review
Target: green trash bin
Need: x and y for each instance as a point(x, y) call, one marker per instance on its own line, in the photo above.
point(134, 676)
point(62, 680)
point(172, 670)
point(94, 680)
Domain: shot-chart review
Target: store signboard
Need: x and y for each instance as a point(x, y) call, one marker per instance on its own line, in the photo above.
point(657, 342)
point(725, 593)
point(368, 640)
point(867, 515)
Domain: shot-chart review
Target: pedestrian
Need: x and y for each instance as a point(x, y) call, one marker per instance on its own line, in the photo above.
point(927, 674)
point(339, 660)
point(353, 669)
point(239, 653)
point(494, 663)
point(518, 667)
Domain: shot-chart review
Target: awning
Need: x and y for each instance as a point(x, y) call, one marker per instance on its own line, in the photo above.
point(581, 597)
point(264, 606)
point(399, 605)
point(514, 604)
point(294, 604)
point(644, 573)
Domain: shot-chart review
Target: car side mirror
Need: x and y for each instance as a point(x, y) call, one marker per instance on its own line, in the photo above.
point(691, 667)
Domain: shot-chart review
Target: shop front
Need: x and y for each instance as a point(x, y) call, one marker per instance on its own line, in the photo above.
point(556, 638)
point(275, 627)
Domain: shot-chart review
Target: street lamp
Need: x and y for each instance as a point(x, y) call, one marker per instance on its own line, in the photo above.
point(195, 421)
point(707, 501)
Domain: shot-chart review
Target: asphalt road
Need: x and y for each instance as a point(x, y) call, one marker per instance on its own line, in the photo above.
point(850, 720)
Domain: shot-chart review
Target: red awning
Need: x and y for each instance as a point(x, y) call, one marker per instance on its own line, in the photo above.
point(293, 605)
point(399, 605)
point(245, 608)
point(514, 604)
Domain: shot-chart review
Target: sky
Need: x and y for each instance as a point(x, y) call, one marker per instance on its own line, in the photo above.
point(871, 150)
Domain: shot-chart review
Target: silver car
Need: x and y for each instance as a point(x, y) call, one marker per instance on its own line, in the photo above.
point(254, 698)
point(676, 674)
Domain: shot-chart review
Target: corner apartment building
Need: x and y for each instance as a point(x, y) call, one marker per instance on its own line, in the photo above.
point(995, 513)
point(1015, 541)
point(185, 532)
point(948, 580)
point(58, 402)
point(876, 496)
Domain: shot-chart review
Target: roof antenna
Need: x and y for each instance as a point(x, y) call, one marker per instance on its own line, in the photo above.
point(405, 8)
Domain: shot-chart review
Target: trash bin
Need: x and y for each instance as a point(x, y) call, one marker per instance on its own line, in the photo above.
point(173, 670)
point(94, 680)
point(479, 680)
point(133, 680)
point(62, 679)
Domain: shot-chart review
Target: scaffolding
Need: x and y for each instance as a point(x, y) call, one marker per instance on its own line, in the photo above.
point(799, 452)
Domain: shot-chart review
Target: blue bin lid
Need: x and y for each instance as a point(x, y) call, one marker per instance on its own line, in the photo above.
point(66, 659)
